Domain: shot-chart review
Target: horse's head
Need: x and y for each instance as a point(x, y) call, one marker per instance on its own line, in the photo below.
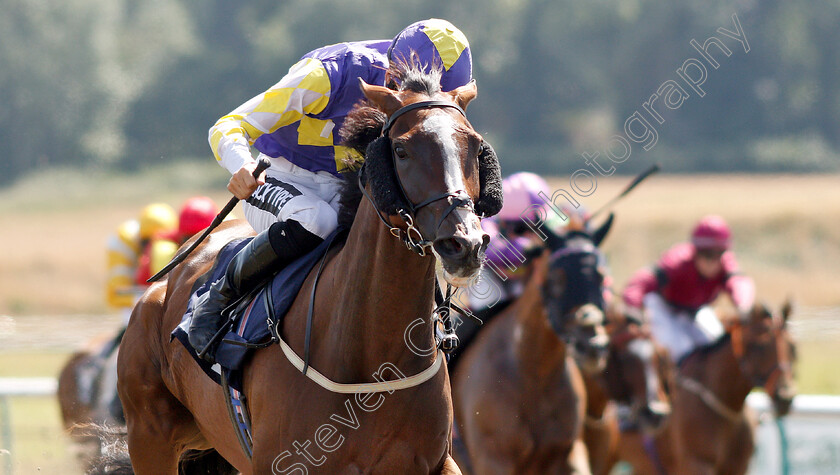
point(636, 372)
point(574, 295)
point(431, 173)
point(766, 353)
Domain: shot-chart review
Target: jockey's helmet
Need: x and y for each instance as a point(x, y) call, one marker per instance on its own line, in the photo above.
point(711, 232)
point(156, 218)
point(521, 192)
point(196, 214)
point(436, 43)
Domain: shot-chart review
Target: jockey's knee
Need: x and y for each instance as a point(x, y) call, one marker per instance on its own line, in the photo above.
point(316, 216)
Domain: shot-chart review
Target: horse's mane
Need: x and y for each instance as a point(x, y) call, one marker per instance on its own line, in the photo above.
point(364, 124)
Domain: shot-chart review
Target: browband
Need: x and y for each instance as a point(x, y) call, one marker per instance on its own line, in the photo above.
point(418, 105)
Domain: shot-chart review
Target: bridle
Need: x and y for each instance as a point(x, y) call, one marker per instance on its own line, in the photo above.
point(411, 236)
point(767, 381)
point(770, 380)
point(558, 259)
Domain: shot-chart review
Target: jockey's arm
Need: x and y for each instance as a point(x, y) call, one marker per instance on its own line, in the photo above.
point(305, 89)
point(741, 290)
point(739, 287)
point(123, 249)
point(643, 282)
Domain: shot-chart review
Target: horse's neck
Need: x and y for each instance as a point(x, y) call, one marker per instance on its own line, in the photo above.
point(540, 350)
point(721, 373)
point(596, 394)
point(380, 289)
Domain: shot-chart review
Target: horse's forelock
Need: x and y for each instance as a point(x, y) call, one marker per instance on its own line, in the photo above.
point(413, 75)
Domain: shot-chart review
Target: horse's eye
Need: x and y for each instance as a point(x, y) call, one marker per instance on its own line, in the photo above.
point(400, 152)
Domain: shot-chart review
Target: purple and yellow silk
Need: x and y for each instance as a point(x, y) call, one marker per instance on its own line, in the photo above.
point(436, 43)
point(299, 117)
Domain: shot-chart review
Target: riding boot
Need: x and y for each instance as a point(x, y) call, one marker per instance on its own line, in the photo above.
point(267, 253)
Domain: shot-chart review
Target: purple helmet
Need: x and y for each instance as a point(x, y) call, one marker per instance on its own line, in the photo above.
point(436, 42)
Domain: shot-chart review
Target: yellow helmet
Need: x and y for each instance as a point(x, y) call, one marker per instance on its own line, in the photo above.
point(155, 218)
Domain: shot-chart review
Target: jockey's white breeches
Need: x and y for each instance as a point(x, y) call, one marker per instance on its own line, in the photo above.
point(292, 192)
point(680, 331)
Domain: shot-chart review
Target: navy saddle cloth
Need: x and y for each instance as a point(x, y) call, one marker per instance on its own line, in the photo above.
point(251, 322)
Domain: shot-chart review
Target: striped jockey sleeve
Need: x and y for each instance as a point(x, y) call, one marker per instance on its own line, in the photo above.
point(123, 252)
point(305, 89)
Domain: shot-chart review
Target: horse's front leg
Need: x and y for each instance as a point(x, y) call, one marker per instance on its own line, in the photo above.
point(450, 467)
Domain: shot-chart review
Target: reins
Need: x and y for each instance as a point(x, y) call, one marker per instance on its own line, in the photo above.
point(709, 398)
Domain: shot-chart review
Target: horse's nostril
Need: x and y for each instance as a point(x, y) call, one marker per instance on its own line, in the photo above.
point(456, 246)
point(452, 248)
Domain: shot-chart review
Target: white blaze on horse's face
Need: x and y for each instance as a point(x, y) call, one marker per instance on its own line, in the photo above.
point(445, 129)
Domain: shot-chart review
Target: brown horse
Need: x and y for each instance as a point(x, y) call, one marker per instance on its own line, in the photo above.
point(631, 377)
point(519, 396)
point(87, 394)
point(709, 431)
point(429, 161)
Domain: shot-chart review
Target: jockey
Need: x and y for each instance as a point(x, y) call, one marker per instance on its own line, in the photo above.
point(126, 247)
point(677, 291)
point(139, 249)
point(196, 214)
point(295, 124)
point(511, 240)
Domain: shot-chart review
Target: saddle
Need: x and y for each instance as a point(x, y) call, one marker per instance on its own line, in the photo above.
point(252, 319)
point(255, 321)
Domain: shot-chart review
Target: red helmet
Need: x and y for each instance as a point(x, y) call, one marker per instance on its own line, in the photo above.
point(196, 214)
point(711, 232)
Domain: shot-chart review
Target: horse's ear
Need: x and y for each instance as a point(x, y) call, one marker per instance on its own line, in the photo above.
point(464, 94)
point(787, 309)
point(385, 99)
point(600, 233)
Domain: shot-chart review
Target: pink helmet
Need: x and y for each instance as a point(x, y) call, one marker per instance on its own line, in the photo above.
point(711, 232)
point(521, 191)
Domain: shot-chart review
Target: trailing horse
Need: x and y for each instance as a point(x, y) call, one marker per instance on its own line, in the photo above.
point(632, 378)
point(519, 396)
point(428, 178)
point(87, 394)
point(709, 431)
